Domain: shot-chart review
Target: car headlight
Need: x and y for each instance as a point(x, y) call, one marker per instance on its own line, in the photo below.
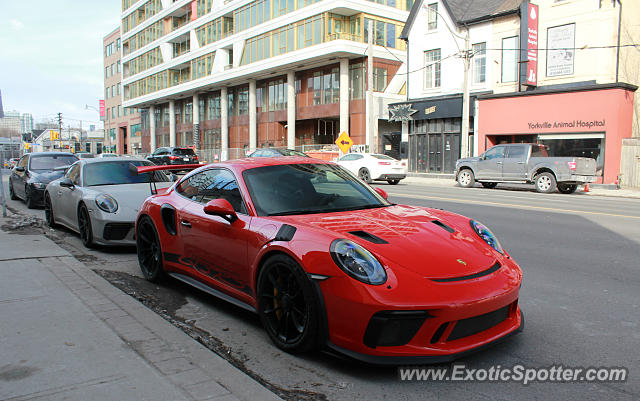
point(486, 234)
point(357, 262)
point(38, 185)
point(107, 203)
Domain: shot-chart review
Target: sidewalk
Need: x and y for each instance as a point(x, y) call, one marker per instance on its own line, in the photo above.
point(447, 180)
point(66, 333)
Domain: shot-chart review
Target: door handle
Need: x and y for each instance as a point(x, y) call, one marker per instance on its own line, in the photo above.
point(185, 223)
point(498, 162)
point(59, 193)
point(520, 162)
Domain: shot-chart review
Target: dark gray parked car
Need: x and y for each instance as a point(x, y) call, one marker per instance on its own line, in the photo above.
point(526, 163)
point(34, 171)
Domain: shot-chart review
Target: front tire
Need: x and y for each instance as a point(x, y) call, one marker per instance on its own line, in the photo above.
point(48, 211)
point(84, 227)
point(287, 306)
point(365, 175)
point(12, 194)
point(545, 183)
point(393, 182)
point(466, 179)
point(567, 188)
point(149, 250)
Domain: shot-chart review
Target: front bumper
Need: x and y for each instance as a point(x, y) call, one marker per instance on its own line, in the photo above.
point(37, 195)
point(108, 230)
point(458, 318)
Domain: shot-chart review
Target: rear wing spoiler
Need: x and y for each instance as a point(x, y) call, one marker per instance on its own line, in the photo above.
point(135, 170)
point(148, 169)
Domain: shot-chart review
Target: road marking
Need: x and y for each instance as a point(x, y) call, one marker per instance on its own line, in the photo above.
point(516, 206)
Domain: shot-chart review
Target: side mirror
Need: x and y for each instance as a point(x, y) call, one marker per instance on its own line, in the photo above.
point(381, 192)
point(66, 182)
point(222, 208)
point(20, 168)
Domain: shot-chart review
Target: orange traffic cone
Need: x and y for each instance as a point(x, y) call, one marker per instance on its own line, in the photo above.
point(586, 187)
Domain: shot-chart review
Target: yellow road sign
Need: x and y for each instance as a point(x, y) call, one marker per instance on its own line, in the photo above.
point(344, 142)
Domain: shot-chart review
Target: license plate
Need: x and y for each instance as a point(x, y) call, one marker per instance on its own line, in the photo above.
point(186, 159)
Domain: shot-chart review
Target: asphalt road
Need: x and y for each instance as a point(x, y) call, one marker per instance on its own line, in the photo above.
point(581, 299)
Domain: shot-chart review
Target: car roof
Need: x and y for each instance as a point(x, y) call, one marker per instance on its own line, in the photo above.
point(39, 154)
point(111, 159)
point(255, 162)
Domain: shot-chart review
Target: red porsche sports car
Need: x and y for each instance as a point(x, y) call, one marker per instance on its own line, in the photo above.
point(327, 261)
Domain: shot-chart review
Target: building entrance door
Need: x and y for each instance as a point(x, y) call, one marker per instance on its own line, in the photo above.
point(451, 151)
point(435, 153)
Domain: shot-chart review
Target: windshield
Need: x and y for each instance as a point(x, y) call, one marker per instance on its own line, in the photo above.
point(118, 172)
point(183, 151)
point(51, 162)
point(308, 188)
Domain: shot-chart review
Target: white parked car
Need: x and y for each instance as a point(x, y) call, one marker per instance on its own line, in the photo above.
point(373, 166)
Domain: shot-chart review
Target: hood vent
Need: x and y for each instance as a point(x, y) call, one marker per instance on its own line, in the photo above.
point(369, 237)
point(444, 226)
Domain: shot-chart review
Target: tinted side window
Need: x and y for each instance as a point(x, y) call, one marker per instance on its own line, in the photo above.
point(74, 174)
point(516, 152)
point(495, 153)
point(539, 151)
point(213, 184)
point(347, 158)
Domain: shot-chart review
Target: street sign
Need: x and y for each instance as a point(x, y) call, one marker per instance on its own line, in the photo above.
point(344, 142)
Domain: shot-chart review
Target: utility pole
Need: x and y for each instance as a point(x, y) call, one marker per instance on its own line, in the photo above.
point(370, 125)
point(60, 129)
point(464, 143)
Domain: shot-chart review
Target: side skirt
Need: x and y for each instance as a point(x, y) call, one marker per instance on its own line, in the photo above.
point(212, 291)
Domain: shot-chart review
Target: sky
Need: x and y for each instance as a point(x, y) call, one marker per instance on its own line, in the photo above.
point(51, 57)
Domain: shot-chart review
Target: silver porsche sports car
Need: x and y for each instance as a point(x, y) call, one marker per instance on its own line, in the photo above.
point(100, 198)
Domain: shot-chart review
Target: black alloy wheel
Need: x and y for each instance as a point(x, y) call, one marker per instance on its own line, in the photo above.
point(48, 211)
point(12, 194)
point(364, 175)
point(149, 250)
point(287, 306)
point(84, 226)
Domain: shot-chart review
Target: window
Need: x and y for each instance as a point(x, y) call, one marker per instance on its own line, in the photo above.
point(432, 15)
point(74, 174)
point(515, 152)
point(113, 112)
point(432, 68)
point(479, 63)
point(119, 110)
point(118, 44)
point(494, 153)
point(510, 59)
point(356, 81)
point(212, 184)
point(379, 79)
point(560, 53)
point(106, 72)
point(119, 88)
point(118, 64)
